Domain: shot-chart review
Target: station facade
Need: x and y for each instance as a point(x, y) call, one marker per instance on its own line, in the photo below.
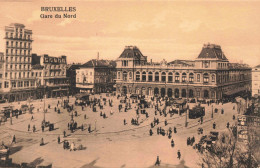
point(209, 76)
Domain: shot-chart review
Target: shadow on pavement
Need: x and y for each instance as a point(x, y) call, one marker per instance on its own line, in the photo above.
point(91, 164)
point(165, 165)
point(36, 162)
point(15, 149)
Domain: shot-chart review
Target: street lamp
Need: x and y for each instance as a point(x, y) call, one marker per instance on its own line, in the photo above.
point(212, 111)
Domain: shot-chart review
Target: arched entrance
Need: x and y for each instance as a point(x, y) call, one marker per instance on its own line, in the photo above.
point(124, 90)
point(156, 91)
point(176, 93)
point(191, 95)
point(183, 93)
point(206, 94)
point(169, 92)
point(162, 92)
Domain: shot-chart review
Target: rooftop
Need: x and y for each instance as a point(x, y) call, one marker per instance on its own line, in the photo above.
point(132, 52)
point(212, 51)
point(99, 63)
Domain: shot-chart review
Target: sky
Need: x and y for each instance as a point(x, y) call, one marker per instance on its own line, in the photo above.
point(160, 29)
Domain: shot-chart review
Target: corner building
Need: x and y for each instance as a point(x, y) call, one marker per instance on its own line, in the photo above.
point(209, 76)
point(17, 81)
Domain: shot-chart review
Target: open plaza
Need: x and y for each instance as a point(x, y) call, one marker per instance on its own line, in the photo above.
point(113, 140)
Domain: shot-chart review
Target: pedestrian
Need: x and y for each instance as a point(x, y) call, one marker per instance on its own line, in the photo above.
point(151, 132)
point(29, 127)
point(234, 117)
point(172, 143)
point(124, 122)
point(165, 122)
point(157, 161)
point(82, 127)
point(85, 116)
point(42, 128)
point(227, 124)
point(214, 125)
point(175, 130)
point(32, 118)
point(34, 128)
point(42, 142)
point(64, 134)
point(179, 154)
point(14, 139)
point(58, 139)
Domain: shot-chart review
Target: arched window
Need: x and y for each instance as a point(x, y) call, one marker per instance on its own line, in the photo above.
point(162, 92)
point(191, 77)
point(176, 93)
point(163, 76)
point(150, 76)
point(184, 77)
point(183, 93)
point(206, 94)
point(144, 76)
point(124, 75)
point(157, 76)
point(137, 78)
point(156, 91)
point(169, 92)
point(170, 77)
point(213, 78)
point(191, 93)
point(205, 77)
point(177, 77)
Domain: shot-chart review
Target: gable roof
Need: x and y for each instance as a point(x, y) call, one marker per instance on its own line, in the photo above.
point(212, 51)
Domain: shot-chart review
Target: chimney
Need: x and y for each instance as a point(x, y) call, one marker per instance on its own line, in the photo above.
point(98, 56)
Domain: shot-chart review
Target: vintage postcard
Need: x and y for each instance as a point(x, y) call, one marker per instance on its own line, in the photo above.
point(129, 84)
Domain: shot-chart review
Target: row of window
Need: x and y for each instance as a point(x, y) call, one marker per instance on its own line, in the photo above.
point(48, 66)
point(17, 35)
point(18, 44)
point(183, 77)
point(22, 74)
point(18, 58)
point(21, 52)
point(15, 67)
point(18, 84)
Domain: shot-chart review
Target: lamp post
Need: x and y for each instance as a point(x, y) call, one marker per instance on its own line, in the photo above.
point(187, 110)
point(212, 111)
point(186, 117)
point(95, 125)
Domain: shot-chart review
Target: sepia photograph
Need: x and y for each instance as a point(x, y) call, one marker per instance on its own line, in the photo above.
point(129, 84)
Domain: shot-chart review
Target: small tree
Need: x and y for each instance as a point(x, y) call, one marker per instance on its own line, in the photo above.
point(221, 154)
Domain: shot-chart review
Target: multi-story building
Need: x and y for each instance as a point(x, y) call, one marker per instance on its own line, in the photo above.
point(209, 76)
point(71, 75)
point(50, 73)
point(256, 80)
point(17, 81)
point(96, 76)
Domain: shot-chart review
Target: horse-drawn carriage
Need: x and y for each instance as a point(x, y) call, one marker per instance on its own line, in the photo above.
point(196, 112)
